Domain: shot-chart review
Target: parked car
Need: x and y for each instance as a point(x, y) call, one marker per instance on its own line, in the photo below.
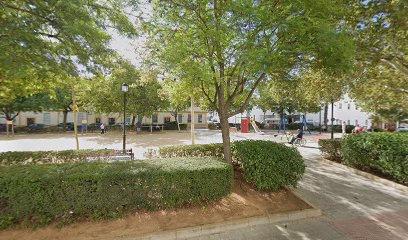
point(94, 127)
point(402, 129)
point(68, 126)
point(37, 127)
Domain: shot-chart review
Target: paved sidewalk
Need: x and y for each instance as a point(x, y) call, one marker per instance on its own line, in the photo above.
point(354, 208)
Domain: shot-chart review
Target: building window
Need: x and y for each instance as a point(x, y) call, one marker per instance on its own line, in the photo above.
point(30, 121)
point(180, 118)
point(340, 106)
point(366, 122)
point(348, 122)
point(200, 118)
point(348, 106)
point(127, 120)
point(47, 118)
point(112, 121)
point(166, 119)
point(189, 118)
point(155, 118)
point(80, 117)
point(356, 122)
point(97, 120)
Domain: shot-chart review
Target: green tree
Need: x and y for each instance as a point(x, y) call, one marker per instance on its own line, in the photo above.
point(44, 41)
point(229, 47)
point(380, 30)
point(104, 94)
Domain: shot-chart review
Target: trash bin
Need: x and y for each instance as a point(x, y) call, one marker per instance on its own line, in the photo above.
point(244, 125)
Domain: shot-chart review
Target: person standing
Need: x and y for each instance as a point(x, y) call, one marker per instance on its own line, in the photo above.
point(102, 128)
point(343, 128)
point(84, 126)
point(138, 127)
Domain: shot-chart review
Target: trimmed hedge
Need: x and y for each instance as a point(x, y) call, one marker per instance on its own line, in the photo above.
point(331, 149)
point(384, 153)
point(40, 157)
point(269, 165)
point(266, 164)
point(39, 194)
point(198, 150)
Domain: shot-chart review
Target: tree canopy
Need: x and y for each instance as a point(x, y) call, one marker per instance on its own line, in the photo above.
point(380, 30)
point(230, 47)
point(104, 94)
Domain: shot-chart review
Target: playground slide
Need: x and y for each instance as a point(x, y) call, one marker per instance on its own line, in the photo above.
point(256, 128)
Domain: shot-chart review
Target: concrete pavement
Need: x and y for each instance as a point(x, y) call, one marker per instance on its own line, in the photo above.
point(354, 208)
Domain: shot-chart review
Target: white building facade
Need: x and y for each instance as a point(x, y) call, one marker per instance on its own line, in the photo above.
point(161, 117)
point(344, 110)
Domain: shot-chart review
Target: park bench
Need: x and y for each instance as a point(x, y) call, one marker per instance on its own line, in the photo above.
point(128, 153)
point(117, 156)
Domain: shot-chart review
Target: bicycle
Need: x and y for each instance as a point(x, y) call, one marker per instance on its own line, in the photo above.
point(299, 142)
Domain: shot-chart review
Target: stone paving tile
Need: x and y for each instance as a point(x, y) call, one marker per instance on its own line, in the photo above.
point(391, 225)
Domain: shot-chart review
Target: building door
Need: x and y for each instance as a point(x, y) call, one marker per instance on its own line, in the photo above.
point(30, 121)
point(166, 119)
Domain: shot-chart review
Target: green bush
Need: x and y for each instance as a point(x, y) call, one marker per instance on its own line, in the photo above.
point(384, 153)
point(35, 157)
point(331, 149)
point(212, 126)
point(39, 194)
point(376, 129)
point(338, 128)
point(173, 126)
point(199, 150)
point(269, 165)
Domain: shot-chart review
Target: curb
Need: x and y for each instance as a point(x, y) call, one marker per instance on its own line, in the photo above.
point(368, 175)
point(209, 229)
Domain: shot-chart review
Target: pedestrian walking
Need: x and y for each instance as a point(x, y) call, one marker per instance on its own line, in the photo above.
point(138, 127)
point(84, 127)
point(102, 128)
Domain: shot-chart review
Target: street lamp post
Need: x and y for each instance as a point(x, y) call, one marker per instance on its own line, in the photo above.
point(332, 120)
point(125, 88)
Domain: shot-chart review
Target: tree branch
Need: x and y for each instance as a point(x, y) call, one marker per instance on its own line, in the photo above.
point(243, 106)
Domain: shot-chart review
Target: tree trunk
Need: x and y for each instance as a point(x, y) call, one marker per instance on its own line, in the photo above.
point(176, 118)
point(75, 108)
point(225, 135)
point(325, 120)
point(64, 121)
point(192, 122)
point(264, 117)
point(134, 119)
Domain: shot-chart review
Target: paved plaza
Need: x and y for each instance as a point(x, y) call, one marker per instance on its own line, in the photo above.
point(114, 140)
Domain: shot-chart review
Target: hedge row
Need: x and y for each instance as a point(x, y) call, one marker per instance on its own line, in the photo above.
point(269, 165)
point(380, 153)
point(200, 150)
point(331, 149)
point(266, 164)
point(386, 153)
point(39, 194)
point(40, 157)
